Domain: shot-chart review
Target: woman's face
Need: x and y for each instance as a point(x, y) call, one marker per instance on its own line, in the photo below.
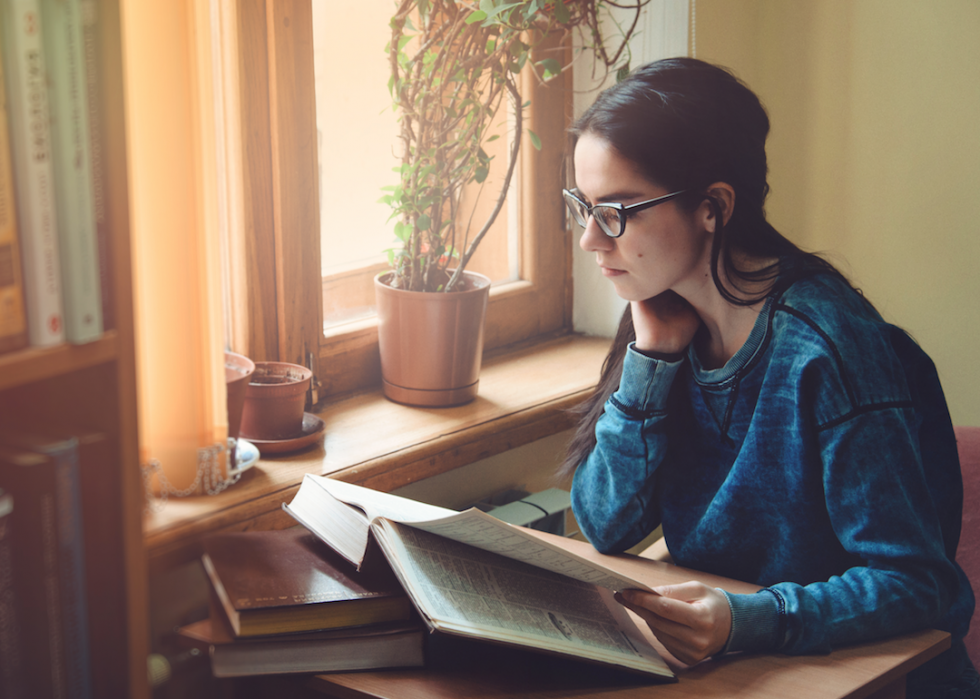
point(662, 248)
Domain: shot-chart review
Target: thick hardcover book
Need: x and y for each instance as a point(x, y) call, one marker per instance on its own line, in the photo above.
point(287, 581)
point(472, 575)
point(13, 321)
point(373, 647)
point(11, 662)
point(65, 60)
point(27, 104)
point(48, 560)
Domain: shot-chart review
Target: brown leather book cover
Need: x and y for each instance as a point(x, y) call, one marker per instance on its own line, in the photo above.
point(286, 581)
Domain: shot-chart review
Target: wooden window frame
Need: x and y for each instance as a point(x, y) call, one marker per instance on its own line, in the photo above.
point(278, 247)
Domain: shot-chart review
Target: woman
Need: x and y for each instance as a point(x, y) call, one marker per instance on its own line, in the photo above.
point(754, 403)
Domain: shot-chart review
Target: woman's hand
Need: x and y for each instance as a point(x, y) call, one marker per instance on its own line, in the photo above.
point(665, 323)
point(692, 620)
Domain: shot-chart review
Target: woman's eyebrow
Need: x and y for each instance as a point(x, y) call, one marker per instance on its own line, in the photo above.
point(621, 195)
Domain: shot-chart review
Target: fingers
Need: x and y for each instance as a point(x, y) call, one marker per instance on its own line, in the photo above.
point(692, 620)
point(664, 323)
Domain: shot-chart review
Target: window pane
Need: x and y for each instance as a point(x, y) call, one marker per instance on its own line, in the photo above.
point(358, 147)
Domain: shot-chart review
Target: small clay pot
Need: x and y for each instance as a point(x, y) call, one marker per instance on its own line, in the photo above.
point(274, 401)
point(238, 372)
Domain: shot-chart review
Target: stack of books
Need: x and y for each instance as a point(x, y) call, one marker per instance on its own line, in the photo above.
point(283, 602)
point(371, 577)
point(475, 577)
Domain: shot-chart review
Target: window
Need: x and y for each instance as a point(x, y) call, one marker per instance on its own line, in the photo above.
point(281, 285)
point(358, 145)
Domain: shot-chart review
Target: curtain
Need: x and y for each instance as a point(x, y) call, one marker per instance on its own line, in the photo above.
point(174, 158)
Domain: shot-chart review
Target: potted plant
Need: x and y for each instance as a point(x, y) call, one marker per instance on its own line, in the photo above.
point(454, 64)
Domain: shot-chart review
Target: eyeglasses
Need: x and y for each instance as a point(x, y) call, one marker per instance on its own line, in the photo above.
point(611, 217)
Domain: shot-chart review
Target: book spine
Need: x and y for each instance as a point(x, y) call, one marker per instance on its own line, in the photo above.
point(33, 173)
point(11, 663)
point(93, 82)
point(13, 318)
point(49, 565)
point(71, 574)
point(105, 570)
point(30, 479)
point(65, 57)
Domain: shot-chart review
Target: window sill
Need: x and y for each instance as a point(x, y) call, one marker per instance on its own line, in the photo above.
point(524, 396)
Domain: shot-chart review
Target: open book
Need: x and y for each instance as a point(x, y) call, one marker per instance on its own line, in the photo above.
point(473, 575)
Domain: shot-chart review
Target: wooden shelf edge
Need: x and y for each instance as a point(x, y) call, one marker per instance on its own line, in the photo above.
point(37, 364)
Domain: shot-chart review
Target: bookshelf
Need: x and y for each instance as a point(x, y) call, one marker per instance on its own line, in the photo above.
point(93, 386)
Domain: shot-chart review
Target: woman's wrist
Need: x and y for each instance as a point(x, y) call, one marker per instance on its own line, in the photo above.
point(661, 356)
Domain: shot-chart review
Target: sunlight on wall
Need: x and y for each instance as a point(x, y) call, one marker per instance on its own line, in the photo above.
point(874, 152)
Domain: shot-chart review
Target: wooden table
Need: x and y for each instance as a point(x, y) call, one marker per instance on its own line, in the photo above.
point(472, 669)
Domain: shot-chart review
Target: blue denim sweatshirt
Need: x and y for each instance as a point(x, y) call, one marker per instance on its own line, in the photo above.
point(819, 463)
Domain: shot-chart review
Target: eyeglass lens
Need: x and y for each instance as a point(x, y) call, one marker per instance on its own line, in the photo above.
point(607, 217)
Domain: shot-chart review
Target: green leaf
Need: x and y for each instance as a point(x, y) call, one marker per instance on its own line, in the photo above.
point(623, 72)
point(535, 141)
point(550, 66)
point(561, 12)
point(477, 16)
point(481, 174)
point(423, 222)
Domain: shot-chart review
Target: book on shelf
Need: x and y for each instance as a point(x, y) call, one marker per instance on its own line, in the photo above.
point(13, 318)
point(11, 663)
point(27, 104)
point(395, 644)
point(472, 575)
point(42, 475)
point(92, 43)
point(61, 22)
point(105, 569)
point(288, 581)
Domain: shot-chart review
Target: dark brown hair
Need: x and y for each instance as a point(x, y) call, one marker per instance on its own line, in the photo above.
point(687, 124)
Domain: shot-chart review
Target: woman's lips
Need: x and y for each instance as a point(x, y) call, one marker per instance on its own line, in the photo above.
point(611, 272)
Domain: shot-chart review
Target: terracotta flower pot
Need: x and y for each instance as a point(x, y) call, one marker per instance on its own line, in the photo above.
point(238, 372)
point(431, 343)
point(274, 401)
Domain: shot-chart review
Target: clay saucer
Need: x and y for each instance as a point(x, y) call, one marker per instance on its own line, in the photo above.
point(313, 428)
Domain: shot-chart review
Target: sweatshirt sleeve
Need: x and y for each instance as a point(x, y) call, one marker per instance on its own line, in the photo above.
point(878, 501)
point(613, 488)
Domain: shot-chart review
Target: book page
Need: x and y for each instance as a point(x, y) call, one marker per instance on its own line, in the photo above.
point(465, 590)
point(377, 504)
point(477, 529)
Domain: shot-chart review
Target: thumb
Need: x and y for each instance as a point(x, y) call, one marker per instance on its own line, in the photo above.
point(685, 592)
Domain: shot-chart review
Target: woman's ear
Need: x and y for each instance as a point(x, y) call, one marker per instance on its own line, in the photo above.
point(724, 194)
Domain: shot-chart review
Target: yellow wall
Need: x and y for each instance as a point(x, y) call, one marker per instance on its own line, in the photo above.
point(875, 152)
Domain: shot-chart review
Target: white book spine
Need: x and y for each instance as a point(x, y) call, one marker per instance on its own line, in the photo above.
point(27, 102)
point(65, 56)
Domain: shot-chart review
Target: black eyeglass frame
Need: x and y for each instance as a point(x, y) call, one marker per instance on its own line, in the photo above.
point(622, 210)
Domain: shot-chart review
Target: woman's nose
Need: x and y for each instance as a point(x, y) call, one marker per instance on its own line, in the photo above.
point(593, 239)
